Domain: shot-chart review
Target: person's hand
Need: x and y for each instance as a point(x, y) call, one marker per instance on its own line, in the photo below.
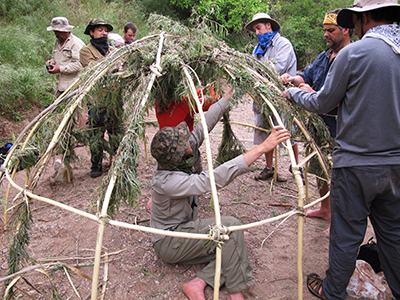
point(286, 78)
point(228, 94)
point(149, 204)
point(305, 87)
point(55, 70)
point(277, 136)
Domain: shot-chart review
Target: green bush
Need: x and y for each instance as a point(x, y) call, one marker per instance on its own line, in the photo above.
point(302, 24)
point(21, 87)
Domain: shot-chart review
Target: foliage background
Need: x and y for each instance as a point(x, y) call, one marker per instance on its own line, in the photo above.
point(25, 45)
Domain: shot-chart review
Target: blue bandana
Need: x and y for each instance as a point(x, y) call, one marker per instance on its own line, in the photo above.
point(264, 40)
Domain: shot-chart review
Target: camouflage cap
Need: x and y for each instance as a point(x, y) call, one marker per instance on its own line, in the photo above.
point(97, 22)
point(60, 24)
point(169, 145)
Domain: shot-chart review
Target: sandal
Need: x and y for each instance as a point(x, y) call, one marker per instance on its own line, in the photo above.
point(265, 174)
point(314, 284)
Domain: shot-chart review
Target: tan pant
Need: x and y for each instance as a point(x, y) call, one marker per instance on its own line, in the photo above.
point(236, 272)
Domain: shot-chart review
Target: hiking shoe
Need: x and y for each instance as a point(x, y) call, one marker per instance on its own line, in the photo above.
point(94, 173)
point(265, 174)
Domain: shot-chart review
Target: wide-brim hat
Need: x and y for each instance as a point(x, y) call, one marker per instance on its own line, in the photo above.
point(262, 18)
point(97, 22)
point(60, 24)
point(345, 16)
point(169, 145)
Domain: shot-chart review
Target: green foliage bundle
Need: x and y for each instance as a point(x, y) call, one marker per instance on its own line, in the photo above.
point(20, 227)
point(230, 147)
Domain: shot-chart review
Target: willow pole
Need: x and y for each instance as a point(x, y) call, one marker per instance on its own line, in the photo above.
point(212, 181)
point(100, 235)
point(299, 181)
point(156, 70)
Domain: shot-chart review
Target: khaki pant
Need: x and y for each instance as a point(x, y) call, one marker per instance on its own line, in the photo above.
point(236, 272)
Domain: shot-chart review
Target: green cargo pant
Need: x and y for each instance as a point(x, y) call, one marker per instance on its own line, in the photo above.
point(236, 272)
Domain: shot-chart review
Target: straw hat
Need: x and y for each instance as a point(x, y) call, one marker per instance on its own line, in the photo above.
point(345, 16)
point(262, 18)
point(169, 146)
point(60, 24)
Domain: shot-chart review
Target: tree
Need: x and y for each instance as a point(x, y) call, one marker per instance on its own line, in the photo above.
point(232, 14)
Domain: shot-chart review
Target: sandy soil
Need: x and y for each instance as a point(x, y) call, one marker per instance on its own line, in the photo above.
point(131, 270)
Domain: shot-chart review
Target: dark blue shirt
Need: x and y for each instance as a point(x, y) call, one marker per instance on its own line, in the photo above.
point(314, 76)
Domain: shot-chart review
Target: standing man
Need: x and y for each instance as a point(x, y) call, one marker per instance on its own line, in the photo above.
point(98, 48)
point(364, 83)
point(312, 79)
point(100, 116)
point(278, 51)
point(129, 33)
point(64, 62)
point(174, 192)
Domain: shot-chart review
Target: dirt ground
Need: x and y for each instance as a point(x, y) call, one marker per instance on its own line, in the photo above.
point(130, 269)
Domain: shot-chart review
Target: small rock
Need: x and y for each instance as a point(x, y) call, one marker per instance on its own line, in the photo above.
point(365, 284)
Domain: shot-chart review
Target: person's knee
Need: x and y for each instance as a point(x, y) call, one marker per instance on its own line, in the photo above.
point(230, 221)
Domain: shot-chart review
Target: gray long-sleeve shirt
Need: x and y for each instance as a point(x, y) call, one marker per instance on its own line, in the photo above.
point(175, 193)
point(280, 54)
point(364, 81)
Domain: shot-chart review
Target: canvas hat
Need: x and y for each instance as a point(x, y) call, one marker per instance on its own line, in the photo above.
point(169, 145)
point(60, 24)
point(345, 16)
point(262, 18)
point(116, 38)
point(97, 22)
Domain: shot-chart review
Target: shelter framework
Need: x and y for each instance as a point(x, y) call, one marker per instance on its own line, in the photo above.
point(173, 62)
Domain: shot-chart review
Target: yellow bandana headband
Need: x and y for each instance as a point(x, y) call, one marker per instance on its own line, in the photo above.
point(330, 19)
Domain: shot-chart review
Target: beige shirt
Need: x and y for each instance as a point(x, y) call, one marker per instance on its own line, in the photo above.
point(89, 53)
point(175, 193)
point(67, 58)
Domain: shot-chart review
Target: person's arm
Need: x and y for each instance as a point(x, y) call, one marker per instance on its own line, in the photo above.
point(331, 94)
point(85, 56)
point(213, 115)
point(277, 136)
point(180, 185)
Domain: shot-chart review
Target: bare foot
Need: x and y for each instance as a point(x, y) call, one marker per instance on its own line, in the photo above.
point(194, 289)
point(318, 213)
point(148, 205)
point(327, 231)
point(237, 296)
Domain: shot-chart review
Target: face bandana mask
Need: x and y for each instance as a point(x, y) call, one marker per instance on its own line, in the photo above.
point(186, 165)
point(100, 44)
point(264, 40)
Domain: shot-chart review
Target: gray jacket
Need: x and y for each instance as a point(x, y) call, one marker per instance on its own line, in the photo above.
point(280, 54)
point(175, 193)
point(364, 82)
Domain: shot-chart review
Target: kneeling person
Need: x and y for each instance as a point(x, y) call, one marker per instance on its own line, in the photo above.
point(175, 190)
